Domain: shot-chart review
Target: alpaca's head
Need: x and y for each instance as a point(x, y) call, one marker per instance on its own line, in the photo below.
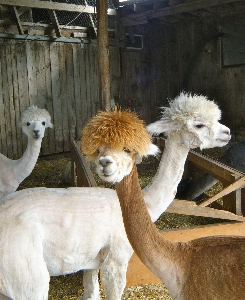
point(112, 140)
point(34, 121)
point(192, 120)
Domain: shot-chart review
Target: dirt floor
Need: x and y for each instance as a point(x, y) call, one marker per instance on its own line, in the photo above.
point(48, 172)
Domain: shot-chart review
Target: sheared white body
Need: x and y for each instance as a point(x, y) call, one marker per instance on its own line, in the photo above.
point(50, 232)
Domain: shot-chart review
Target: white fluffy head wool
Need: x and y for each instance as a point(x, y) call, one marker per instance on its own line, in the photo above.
point(33, 113)
point(187, 107)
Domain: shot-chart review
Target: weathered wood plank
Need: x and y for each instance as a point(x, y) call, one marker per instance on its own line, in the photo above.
point(71, 119)
point(56, 68)
point(84, 176)
point(9, 105)
point(144, 17)
point(186, 207)
point(240, 183)
point(63, 96)
point(18, 140)
point(54, 6)
point(7, 101)
point(22, 82)
point(3, 138)
point(220, 171)
point(49, 138)
point(77, 106)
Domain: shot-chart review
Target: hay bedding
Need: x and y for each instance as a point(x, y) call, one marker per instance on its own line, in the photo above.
point(48, 172)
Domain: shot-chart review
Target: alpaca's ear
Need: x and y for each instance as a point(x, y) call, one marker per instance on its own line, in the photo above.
point(49, 124)
point(153, 150)
point(162, 126)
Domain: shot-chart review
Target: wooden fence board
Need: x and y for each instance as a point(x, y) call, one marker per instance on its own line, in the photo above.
point(13, 83)
point(32, 72)
point(16, 101)
point(77, 91)
point(22, 83)
point(70, 92)
point(3, 139)
point(64, 98)
point(55, 76)
point(7, 101)
point(49, 138)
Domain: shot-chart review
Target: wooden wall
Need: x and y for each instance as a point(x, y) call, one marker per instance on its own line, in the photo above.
point(61, 77)
point(187, 55)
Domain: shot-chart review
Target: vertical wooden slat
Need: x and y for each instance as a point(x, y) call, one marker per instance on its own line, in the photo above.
point(49, 138)
point(56, 61)
point(78, 99)
point(3, 138)
point(31, 52)
point(71, 119)
point(86, 85)
point(10, 104)
point(64, 98)
point(22, 82)
point(41, 97)
point(18, 142)
point(7, 102)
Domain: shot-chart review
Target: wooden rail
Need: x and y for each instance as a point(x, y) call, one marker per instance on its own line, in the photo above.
point(83, 176)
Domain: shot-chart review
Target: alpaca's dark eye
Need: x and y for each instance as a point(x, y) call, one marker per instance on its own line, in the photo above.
point(199, 126)
point(126, 150)
point(28, 123)
point(98, 151)
point(43, 123)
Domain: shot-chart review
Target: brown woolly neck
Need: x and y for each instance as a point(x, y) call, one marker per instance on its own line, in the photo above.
point(142, 233)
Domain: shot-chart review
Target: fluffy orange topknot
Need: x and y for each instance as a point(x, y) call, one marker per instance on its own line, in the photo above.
point(118, 128)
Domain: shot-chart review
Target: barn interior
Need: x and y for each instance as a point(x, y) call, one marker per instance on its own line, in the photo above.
point(77, 57)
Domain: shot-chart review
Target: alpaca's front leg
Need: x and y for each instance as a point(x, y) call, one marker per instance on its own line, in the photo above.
point(114, 279)
point(91, 285)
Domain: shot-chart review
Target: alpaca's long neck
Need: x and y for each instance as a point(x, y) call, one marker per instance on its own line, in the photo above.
point(161, 191)
point(152, 249)
point(24, 166)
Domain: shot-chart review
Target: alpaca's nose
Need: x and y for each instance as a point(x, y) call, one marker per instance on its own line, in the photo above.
point(36, 131)
point(105, 161)
point(227, 131)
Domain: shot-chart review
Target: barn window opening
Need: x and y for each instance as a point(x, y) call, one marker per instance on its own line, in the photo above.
point(134, 41)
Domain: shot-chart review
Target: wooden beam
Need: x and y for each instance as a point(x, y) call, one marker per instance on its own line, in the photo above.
point(80, 168)
point(54, 6)
point(186, 207)
point(240, 183)
point(173, 10)
point(214, 168)
point(17, 18)
point(103, 55)
point(55, 22)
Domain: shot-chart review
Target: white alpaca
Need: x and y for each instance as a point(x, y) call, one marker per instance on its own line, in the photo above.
point(59, 227)
point(33, 121)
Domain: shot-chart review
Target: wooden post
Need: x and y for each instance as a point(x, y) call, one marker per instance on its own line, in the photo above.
point(103, 55)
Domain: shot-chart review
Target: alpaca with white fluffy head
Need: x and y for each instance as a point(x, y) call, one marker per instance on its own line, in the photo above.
point(60, 225)
point(33, 122)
